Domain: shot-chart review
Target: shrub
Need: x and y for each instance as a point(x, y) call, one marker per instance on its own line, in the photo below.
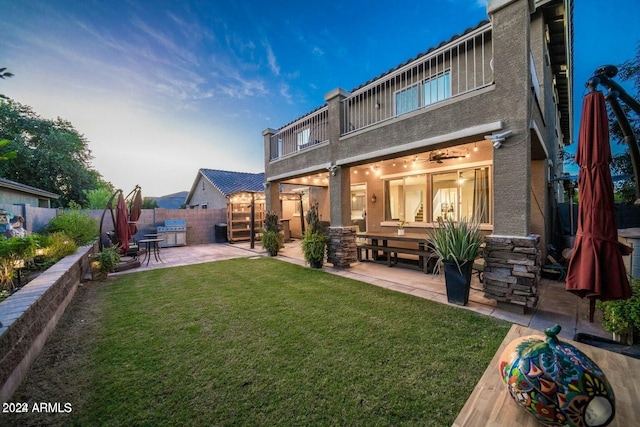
point(76, 225)
point(57, 246)
point(14, 250)
point(107, 259)
point(619, 316)
point(271, 221)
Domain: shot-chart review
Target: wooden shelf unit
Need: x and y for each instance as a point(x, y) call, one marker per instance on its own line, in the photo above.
point(239, 220)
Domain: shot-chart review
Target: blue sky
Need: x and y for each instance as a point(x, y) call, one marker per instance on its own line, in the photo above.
point(163, 88)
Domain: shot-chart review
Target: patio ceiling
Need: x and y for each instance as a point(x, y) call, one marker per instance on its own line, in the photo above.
point(435, 159)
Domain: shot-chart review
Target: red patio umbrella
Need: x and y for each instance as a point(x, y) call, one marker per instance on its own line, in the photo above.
point(122, 224)
point(134, 213)
point(596, 269)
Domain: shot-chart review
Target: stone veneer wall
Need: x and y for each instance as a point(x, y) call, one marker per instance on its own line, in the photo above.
point(29, 316)
point(341, 250)
point(512, 270)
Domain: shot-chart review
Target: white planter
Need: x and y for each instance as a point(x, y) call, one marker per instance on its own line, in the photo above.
point(400, 232)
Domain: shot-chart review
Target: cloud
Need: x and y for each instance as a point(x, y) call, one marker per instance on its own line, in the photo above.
point(284, 92)
point(271, 57)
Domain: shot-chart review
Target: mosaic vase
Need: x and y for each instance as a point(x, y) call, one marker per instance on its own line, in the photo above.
point(555, 382)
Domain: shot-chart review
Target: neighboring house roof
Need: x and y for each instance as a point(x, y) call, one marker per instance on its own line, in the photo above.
point(229, 183)
point(16, 186)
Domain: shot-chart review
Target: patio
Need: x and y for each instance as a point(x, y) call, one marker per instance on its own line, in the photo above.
point(555, 305)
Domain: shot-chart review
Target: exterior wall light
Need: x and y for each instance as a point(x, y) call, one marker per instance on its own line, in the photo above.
point(373, 198)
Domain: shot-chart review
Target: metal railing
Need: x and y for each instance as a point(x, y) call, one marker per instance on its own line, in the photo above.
point(300, 135)
point(456, 68)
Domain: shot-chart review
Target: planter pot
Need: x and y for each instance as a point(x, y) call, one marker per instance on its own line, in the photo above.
point(624, 337)
point(400, 232)
point(315, 263)
point(272, 253)
point(457, 281)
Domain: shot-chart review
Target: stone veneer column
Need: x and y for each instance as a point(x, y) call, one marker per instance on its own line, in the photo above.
point(512, 271)
point(341, 249)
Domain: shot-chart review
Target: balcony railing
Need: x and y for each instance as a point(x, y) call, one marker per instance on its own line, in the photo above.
point(300, 135)
point(454, 69)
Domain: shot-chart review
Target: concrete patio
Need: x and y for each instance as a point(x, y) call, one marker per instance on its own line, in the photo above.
point(555, 305)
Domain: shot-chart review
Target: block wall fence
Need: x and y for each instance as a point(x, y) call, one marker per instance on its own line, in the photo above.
point(200, 222)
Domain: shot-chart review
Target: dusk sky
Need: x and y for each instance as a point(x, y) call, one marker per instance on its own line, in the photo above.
point(161, 89)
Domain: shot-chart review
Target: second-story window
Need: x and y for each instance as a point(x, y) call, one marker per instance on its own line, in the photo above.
point(407, 100)
point(430, 91)
point(437, 89)
point(303, 138)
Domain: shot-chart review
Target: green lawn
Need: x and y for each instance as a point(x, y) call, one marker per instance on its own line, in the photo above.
point(264, 342)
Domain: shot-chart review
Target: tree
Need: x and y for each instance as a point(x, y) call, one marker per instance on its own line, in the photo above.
point(50, 154)
point(622, 164)
point(3, 75)
point(149, 203)
point(99, 197)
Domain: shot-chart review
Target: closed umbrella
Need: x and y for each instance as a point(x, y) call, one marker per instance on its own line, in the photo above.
point(134, 213)
point(122, 224)
point(596, 269)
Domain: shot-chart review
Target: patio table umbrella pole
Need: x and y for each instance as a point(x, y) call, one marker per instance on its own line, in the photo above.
point(596, 269)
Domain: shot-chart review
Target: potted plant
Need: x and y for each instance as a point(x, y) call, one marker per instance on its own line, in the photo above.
point(314, 242)
point(401, 227)
point(271, 237)
point(456, 244)
point(622, 317)
point(104, 262)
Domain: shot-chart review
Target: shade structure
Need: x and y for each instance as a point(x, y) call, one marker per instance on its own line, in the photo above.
point(596, 269)
point(122, 224)
point(134, 213)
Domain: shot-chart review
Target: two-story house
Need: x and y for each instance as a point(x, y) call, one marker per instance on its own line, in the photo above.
point(471, 128)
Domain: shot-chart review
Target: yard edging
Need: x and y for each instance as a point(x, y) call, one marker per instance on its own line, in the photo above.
point(30, 315)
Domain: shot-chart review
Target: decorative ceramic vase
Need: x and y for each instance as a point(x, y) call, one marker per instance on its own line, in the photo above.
point(556, 383)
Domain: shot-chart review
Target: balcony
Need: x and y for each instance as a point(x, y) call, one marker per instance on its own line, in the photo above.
point(300, 135)
point(453, 69)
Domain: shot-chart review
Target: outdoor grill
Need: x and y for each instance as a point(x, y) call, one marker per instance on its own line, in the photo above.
point(174, 233)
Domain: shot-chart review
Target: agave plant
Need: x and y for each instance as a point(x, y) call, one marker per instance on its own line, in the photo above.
point(458, 242)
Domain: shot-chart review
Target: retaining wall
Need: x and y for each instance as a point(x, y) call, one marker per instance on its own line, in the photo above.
point(29, 316)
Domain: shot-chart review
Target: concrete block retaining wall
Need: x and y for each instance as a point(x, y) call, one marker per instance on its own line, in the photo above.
point(29, 316)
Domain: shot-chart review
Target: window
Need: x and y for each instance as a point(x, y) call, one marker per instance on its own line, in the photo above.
point(407, 100)
point(437, 89)
point(394, 199)
point(303, 138)
point(433, 90)
point(461, 194)
point(453, 194)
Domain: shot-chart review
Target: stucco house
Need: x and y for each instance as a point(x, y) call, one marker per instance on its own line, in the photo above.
point(14, 193)
point(240, 193)
point(473, 128)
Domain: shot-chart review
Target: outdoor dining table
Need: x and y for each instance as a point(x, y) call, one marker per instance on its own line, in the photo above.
point(380, 243)
point(151, 245)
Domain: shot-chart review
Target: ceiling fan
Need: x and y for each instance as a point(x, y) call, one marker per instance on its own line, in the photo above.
point(444, 155)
